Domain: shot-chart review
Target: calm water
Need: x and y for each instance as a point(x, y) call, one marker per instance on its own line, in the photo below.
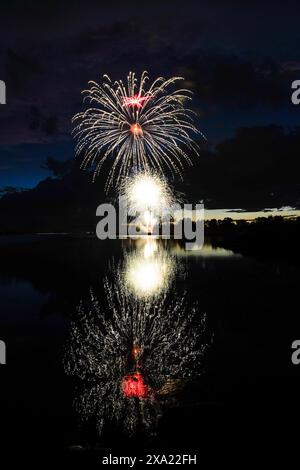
point(147, 384)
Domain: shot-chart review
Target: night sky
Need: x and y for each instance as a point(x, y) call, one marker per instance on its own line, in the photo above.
point(239, 59)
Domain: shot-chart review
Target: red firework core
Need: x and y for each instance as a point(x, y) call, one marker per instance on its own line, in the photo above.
point(136, 130)
point(136, 100)
point(133, 385)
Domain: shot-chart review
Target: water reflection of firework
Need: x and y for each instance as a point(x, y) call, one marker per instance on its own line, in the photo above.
point(130, 356)
point(148, 271)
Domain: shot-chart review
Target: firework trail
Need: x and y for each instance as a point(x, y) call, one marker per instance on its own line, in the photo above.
point(134, 127)
point(130, 356)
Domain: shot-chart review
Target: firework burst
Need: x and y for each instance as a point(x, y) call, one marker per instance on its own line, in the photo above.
point(131, 356)
point(149, 197)
point(147, 191)
point(135, 127)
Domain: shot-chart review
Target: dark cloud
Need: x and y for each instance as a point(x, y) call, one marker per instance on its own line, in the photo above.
point(258, 167)
point(11, 190)
point(237, 82)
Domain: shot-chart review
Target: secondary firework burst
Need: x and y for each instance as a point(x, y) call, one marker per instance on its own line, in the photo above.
point(135, 127)
point(131, 357)
point(149, 197)
point(148, 191)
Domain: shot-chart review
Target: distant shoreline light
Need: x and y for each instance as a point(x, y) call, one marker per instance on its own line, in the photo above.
point(244, 214)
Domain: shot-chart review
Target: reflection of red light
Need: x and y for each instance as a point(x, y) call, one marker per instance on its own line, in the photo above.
point(136, 100)
point(133, 385)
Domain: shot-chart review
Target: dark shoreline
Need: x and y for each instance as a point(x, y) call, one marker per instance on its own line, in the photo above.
point(272, 239)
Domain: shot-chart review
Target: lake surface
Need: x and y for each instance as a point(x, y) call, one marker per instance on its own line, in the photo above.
point(141, 345)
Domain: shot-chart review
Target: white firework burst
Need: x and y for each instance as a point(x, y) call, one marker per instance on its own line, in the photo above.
point(147, 191)
point(150, 198)
point(135, 127)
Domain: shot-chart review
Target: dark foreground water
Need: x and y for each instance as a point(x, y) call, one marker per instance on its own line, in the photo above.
point(209, 374)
